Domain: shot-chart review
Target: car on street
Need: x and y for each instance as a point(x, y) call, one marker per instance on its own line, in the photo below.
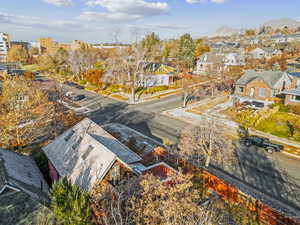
point(72, 96)
point(72, 84)
point(261, 142)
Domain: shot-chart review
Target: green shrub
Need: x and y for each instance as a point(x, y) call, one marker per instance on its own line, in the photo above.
point(70, 205)
point(156, 89)
point(91, 87)
point(295, 109)
point(82, 82)
point(282, 107)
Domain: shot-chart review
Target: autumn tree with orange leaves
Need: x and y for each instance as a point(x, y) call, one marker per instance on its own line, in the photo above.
point(27, 115)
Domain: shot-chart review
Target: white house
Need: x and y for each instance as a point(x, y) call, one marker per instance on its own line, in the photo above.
point(234, 59)
point(4, 46)
point(258, 53)
point(217, 62)
point(153, 80)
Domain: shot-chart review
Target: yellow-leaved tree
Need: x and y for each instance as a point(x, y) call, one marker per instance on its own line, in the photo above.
point(27, 115)
point(17, 53)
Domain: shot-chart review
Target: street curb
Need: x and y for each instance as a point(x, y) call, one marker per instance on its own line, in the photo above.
point(290, 154)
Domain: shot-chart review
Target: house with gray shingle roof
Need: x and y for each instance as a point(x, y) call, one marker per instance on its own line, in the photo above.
point(86, 153)
point(23, 190)
point(262, 86)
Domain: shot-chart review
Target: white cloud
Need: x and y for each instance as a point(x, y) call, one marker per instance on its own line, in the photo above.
point(59, 3)
point(202, 1)
point(119, 10)
point(95, 16)
point(218, 1)
point(40, 23)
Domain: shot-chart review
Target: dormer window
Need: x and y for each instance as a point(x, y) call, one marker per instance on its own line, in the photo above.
point(87, 152)
point(68, 136)
point(75, 146)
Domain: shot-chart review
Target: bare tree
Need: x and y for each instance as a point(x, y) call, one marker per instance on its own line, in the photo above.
point(111, 205)
point(132, 59)
point(207, 142)
point(116, 31)
point(83, 59)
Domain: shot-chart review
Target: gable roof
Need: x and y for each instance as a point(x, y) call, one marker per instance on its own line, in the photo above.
point(269, 77)
point(86, 152)
point(21, 172)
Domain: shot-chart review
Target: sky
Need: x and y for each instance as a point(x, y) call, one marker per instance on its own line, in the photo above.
point(98, 21)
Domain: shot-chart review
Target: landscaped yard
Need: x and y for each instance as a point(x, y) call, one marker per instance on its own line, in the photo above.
point(282, 124)
point(200, 109)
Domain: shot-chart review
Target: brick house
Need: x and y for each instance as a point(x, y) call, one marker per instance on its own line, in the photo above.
point(292, 96)
point(262, 86)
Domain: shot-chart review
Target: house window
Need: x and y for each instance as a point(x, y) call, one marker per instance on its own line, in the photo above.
point(273, 93)
point(115, 174)
point(295, 98)
point(87, 152)
point(75, 146)
point(68, 136)
point(262, 92)
point(241, 89)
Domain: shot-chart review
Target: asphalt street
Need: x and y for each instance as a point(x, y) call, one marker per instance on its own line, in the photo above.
point(276, 174)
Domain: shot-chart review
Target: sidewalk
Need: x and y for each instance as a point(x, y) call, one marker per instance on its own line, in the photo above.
point(291, 148)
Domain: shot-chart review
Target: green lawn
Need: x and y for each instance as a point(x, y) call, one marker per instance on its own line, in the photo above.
point(33, 67)
point(282, 124)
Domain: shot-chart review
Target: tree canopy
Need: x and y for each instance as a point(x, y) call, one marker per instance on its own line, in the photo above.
point(17, 53)
point(70, 205)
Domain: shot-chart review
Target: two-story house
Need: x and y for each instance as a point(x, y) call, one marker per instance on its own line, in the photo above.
point(209, 62)
point(262, 86)
point(218, 62)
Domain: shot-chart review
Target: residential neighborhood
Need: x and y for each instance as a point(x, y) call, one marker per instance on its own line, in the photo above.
point(147, 112)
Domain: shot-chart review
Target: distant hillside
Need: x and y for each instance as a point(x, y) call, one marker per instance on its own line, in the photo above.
point(280, 23)
point(225, 31)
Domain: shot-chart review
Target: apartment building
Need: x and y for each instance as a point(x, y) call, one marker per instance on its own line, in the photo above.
point(48, 45)
point(4, 46)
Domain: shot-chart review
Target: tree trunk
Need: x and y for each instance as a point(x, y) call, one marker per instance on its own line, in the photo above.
point(185, 98)
point(133, 89)
point(132, 94)
point(207, 161)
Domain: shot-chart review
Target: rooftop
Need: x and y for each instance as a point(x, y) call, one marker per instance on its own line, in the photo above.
point(269, 77)
point(86, 152)
point(21, 172)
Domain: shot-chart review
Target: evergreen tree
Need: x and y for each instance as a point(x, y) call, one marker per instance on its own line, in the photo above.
point(70, 205)
point(185, 52)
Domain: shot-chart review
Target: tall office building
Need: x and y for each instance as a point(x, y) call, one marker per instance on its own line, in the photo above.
point(4, 46)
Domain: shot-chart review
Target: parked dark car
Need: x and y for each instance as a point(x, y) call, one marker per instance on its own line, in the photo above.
point(253, 104)
point(262, 143)
point(72, 96)
point(72, 84)
point(77, 97)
